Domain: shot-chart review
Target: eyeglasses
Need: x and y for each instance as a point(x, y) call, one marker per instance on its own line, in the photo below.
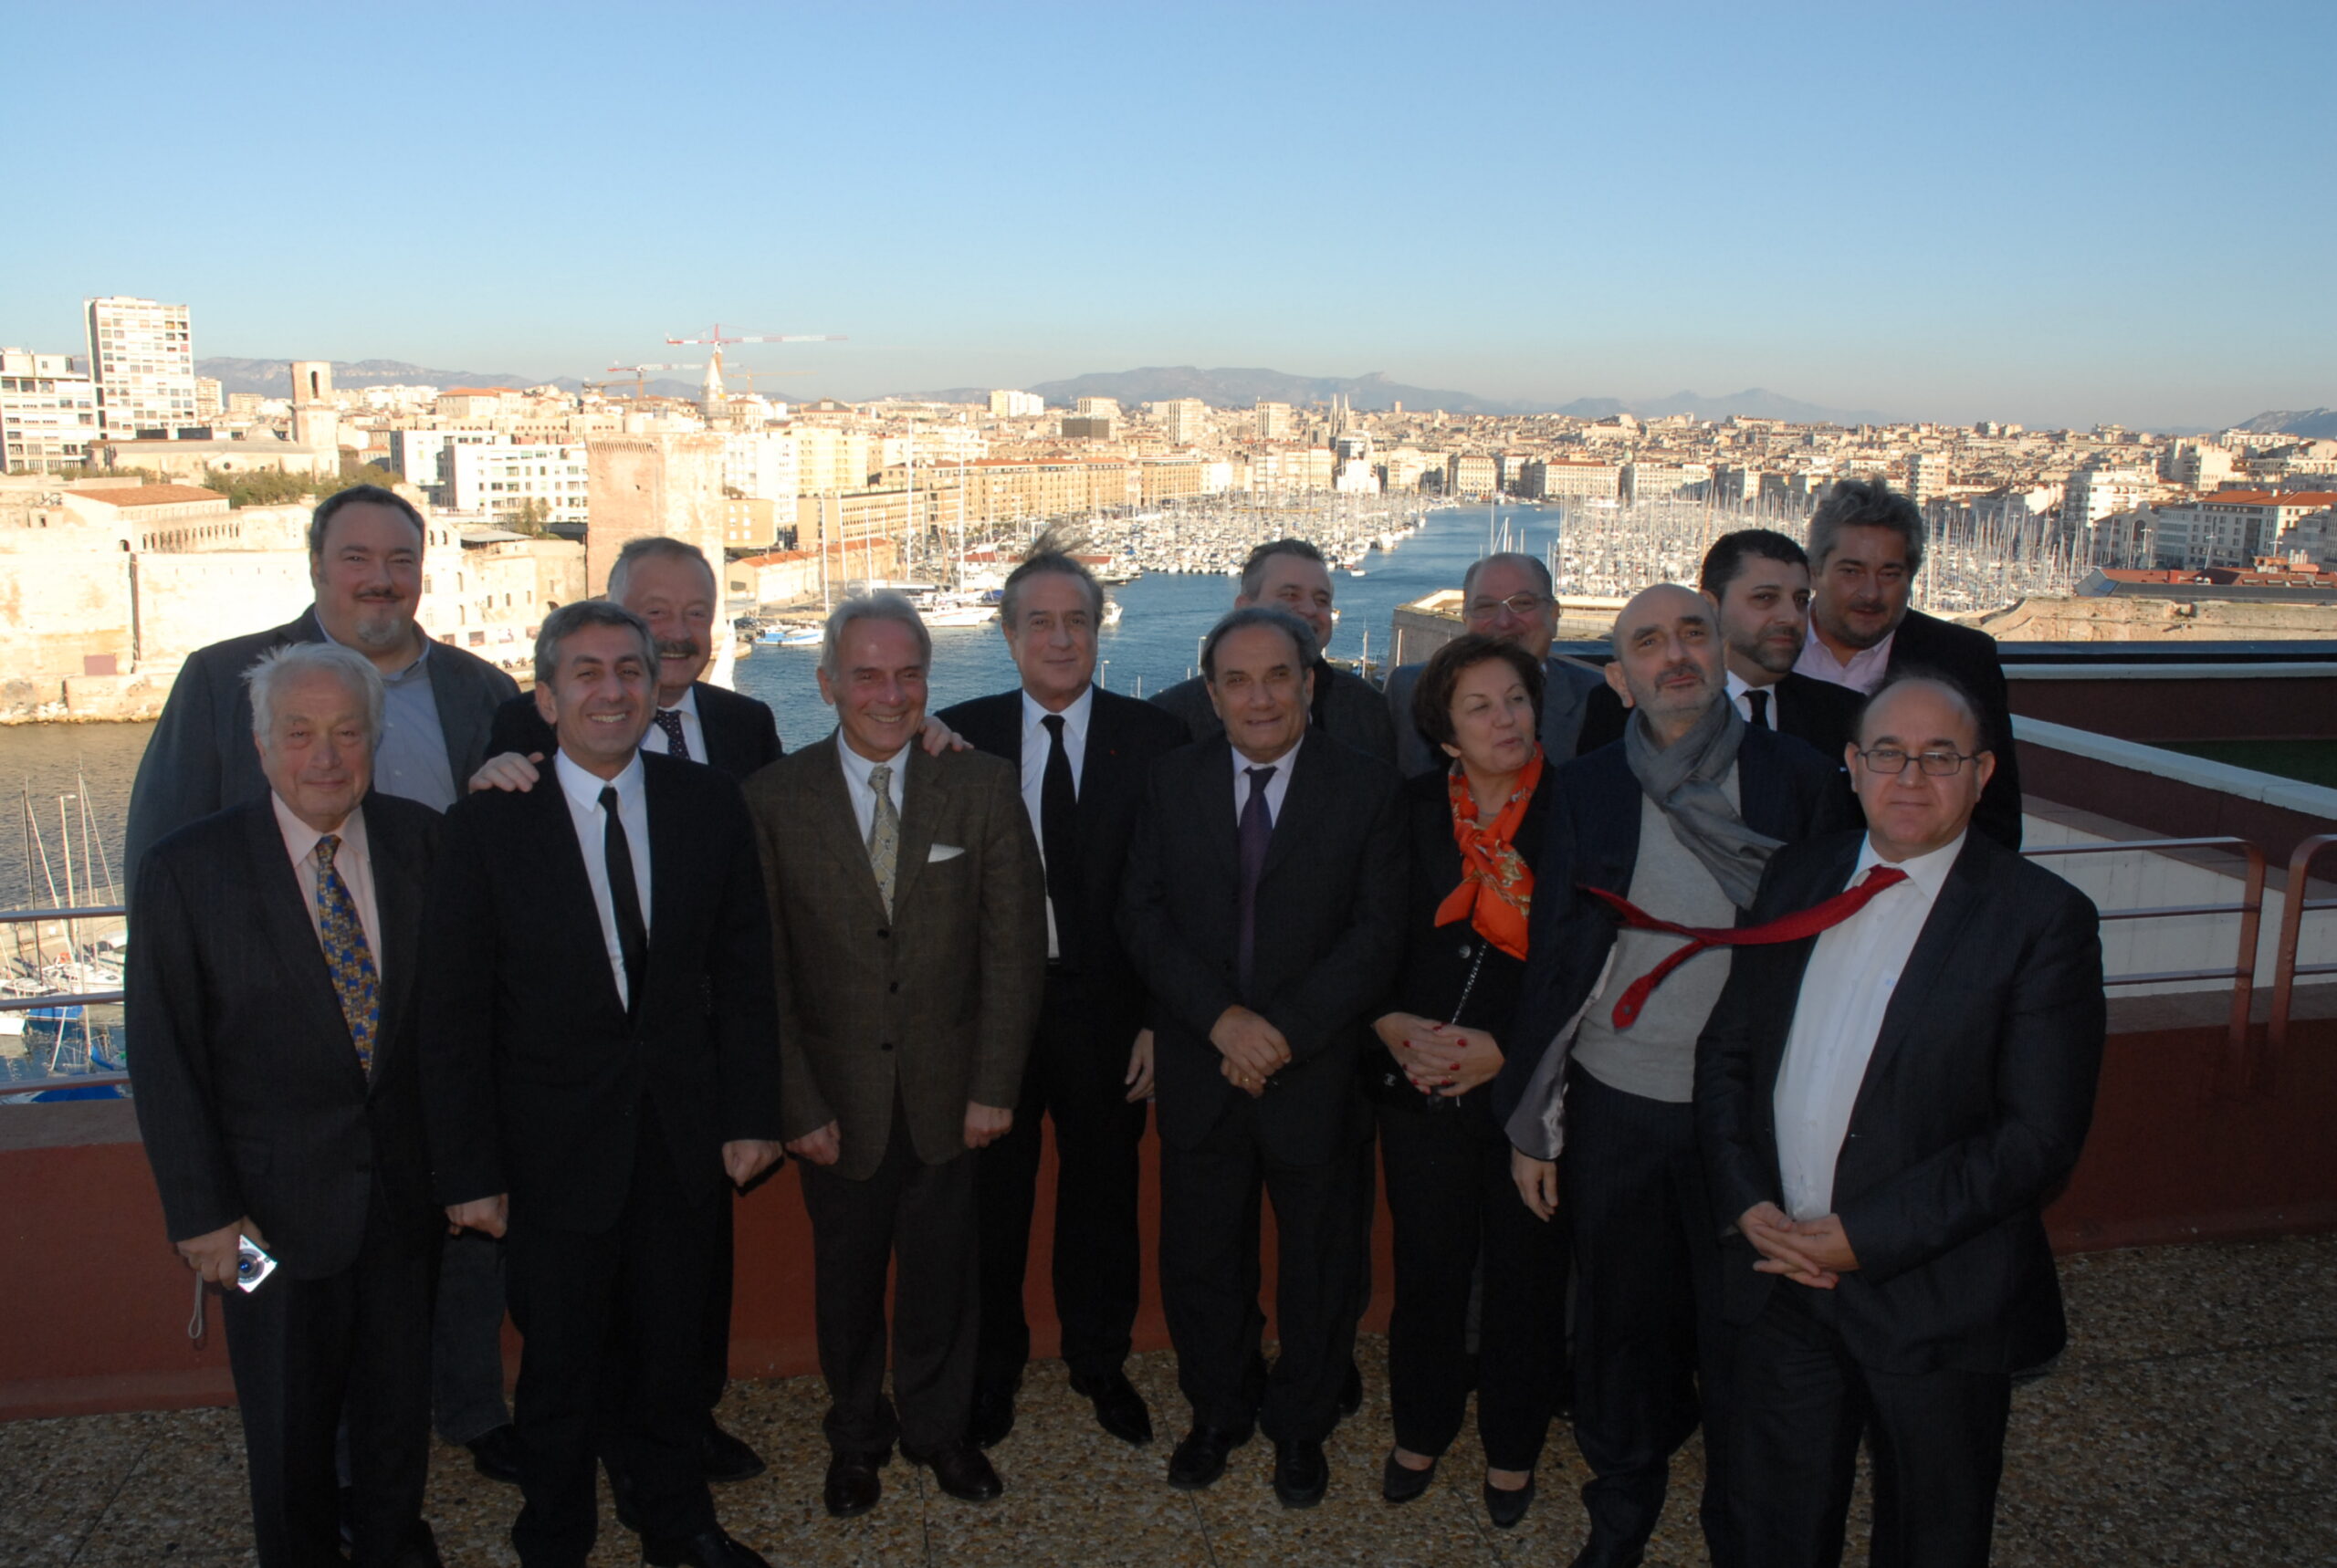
point(1937, 764)
point(1518, 604)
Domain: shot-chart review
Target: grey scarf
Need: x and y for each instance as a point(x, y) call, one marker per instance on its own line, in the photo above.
point(1684, 779)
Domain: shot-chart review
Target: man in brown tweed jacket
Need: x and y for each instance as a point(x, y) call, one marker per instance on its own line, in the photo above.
point(909, 929)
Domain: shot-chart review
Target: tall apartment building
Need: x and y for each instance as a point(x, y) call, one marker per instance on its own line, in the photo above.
point(1926, 475)
point(1274, 421)
point(419, 456)
point(829, 461)
point(2093, 494)
point(505, 481)
point(1185, 420)
point(48, 412)
point(142, 357)
point(1006, 404)
point(761, 464)
point(1091, 407)
point(1088, 426)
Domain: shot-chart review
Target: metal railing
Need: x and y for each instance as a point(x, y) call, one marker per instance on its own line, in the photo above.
point(19, 1088)
point(2251, 910)
point(2293, 909)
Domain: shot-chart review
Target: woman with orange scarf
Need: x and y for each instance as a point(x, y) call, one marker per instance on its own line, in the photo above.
point(1475, 828)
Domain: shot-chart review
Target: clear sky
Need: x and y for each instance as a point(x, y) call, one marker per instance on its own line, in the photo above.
point(2053, 213)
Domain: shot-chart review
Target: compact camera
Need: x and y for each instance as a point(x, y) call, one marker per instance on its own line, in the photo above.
point(252, 1265)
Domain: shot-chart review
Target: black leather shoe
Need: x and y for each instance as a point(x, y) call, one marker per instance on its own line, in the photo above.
point(963, 1471)
point(1351, 1390)
point(1119, 1408)
point(713, 1549)
point(1200, 1460)
point(496, 1455)
point(1505, 1507)
point(852, 1487)
point(1604, 1552)
point(993, 1417)
point(725, 1458)
point(1401, 1483)
point(421, 1549)
point(621, 1494)
point(1301, 1473)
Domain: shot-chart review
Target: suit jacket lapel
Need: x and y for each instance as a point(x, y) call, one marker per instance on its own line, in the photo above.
point(922, 793)
point(832, 821)
point(1761, 796)
point(462, 723)
point(667, 888)
point(284, 918)
point(397, 900)
point(1952, 911)
point(569, 895)
point(713, 735)
point(1302, 799)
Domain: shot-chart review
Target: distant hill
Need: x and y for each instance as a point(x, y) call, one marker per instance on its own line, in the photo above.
point(273, 378)
point(1239, 388)
point(1752, 402)
point(2308, 424)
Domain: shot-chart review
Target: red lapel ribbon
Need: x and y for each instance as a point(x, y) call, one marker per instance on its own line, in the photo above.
point(1785, 928)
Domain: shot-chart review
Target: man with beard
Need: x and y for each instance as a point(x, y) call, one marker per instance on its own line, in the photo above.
point(365, 547)
point(1866, 545)
point(1667, 830)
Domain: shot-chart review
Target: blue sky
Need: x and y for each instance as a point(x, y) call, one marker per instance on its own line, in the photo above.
point(2051, 213)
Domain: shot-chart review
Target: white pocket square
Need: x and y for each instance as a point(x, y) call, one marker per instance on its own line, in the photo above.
point(943, 852)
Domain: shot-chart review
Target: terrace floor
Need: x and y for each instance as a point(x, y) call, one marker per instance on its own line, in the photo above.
point(2193, 1421)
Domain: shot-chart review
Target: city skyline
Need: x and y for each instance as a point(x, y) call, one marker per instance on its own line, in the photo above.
point(1983, 215)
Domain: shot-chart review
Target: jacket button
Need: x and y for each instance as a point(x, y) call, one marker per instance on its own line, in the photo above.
point(882, 934)
point(886, 1046)
point(895, 987)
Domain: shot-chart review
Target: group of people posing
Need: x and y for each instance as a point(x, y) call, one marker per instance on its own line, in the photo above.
point(1712, 1043)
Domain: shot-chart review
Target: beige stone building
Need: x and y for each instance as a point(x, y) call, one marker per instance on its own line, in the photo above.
point(652, 485)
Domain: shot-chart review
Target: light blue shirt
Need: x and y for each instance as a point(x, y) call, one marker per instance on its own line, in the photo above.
point(410, 760)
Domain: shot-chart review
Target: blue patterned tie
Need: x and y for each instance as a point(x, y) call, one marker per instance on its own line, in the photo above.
point(346, 954)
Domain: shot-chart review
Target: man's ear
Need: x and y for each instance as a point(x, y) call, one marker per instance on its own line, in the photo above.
point(1621, 688)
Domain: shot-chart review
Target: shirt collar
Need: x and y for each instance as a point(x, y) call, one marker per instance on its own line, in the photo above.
point(688, 703)
point(857, 768)
point(584, 789)
point(422, 637)
point(300, 840)
point(1927, 871)
point(1073, 715)
point(1241, 764)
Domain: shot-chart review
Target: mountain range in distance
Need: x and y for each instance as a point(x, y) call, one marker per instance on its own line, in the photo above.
point(1229, 388)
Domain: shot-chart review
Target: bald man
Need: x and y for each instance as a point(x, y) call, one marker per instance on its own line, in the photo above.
point(1678, 818)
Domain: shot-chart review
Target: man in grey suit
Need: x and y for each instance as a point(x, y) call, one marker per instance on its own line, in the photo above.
point(1290, 574)
point(1508, 596)
point(365, 545)
point(909, 940)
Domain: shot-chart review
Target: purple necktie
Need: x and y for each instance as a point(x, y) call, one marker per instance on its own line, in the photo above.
point(1257, 830)
point(669, 719)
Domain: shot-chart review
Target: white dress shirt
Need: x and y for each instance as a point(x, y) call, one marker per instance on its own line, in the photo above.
point(352, 858)
point(1036, 746)
point(1738, 686)
point(583, 792)
point(1276, 787)
point(693, 729)
point(1845, 991)
point(1862, 673)
point(856, 769)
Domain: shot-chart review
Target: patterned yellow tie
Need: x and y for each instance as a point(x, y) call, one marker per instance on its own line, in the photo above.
point(884, 833)
point(348, 958)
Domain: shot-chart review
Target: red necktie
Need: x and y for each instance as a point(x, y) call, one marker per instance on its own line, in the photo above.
point(1785, 928)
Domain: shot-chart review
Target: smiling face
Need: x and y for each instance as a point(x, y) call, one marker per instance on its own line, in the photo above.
point(1493, 719)
point(367, 572)
point(1052, 637)
point(878, 687)
point(1666, 659)
point(1303, 587)
point(1506, 600)
point(1764, 616)
point(599, 703)
point(1260, 690)
point(1912, 812)
point(676, 598)
point(1861, 588)
point(316, 754)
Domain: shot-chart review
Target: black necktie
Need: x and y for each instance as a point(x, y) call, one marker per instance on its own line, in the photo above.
point(1255, 832)
point(625, 899)
point(677, 745)
point(1758, 697)
point(1058, 836)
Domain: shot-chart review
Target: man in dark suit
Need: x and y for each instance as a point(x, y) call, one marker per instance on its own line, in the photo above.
point(1884, 1109)
point(272, 1049)
point(1508, 596)
point(1866, 545)
point(1290, 574)
point(365, 550)
point(1677, 819)
point(1264, 907)
point(1084, 755)
point(602, 1114)
point(908, 925)
point(1758, 579)
point(669, 584)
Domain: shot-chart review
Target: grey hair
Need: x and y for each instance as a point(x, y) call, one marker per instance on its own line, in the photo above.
point(662, 548)
point(883, 605)
point(1302, 636)
point(1865, 504)
point(1049, 553)
point(1535, 565)
point(572, 618)
point(295, 659)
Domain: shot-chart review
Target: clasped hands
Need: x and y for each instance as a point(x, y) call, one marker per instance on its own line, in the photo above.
point(1441, 1059)
point(1253, 1050)
point(1813, 1252)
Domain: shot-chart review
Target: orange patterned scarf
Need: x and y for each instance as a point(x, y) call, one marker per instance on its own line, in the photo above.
point(1496, 885)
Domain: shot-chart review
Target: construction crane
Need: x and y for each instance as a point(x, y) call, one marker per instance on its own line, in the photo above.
point(641, 374)
point(716, 339)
